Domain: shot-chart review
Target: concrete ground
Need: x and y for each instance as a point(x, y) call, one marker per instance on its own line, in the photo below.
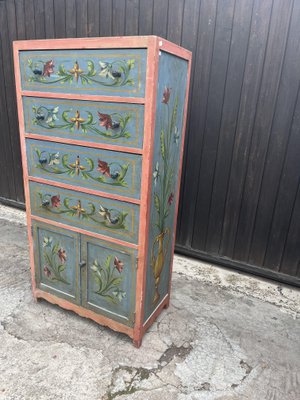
point(225, 336)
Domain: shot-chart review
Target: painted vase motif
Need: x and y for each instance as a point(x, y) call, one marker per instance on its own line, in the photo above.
point(164, 182)
point(157, 261)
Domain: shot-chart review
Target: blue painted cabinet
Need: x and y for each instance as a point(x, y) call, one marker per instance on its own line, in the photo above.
point(102, 124)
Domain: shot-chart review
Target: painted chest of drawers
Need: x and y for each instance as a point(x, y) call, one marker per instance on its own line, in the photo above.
point(102, 124)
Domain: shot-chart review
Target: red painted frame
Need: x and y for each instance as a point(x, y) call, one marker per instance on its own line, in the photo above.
point(153, 44)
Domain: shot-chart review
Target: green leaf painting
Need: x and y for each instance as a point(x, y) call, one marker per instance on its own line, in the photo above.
point(108, 279)
point(164, 184)
point(112, 126)
point(109, 217)
point(110, 74)
point(107, 173)
point(55, 259)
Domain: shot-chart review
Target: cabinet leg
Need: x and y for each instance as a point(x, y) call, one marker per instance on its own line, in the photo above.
point(166, 306)
point(137, 343)
point(35, 298)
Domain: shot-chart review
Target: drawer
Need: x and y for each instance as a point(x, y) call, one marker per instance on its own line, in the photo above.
point(103, 170)
point(109, 279)
point(98, 122)
point(57, 261)
point(113, 218)
point(118, 72)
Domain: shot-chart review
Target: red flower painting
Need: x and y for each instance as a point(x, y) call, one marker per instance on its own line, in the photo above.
point(62, 255)
point(171, 198)
point(118, 264)
point(48, 68)
point(105, 120)
point(47, 271)
point(166, 95)
point(55, 201)
point(103, 167)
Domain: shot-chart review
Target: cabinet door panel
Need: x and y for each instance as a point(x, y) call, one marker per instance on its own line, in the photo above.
point(99, 122)
point(108, 285)
point(103, 170)
point(56, 261)
point(113, 218)
point(119, 72)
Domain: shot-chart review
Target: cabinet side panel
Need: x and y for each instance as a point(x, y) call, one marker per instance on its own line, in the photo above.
point(171, 91)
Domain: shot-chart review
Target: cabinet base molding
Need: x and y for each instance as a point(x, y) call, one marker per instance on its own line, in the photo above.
point(83, 312)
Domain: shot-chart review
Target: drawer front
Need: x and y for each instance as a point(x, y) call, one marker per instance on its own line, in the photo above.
point(109, 171)
point(98, 122)
point(118, 72)
point(56, 261)
point(108, 280)
point(113, 218)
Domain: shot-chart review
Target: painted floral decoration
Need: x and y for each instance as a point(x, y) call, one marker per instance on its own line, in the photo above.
point(170, 198)
point(77, 120)
point(48, 68)
point(164, 183)
point(111, 173)
point(164, 170)
point(76, 71)
point(115, 124)
point(105, 120)
point(108, 284)
point(55, 258)
point(118, 264)
point(103, 167)
point(109, 74)
point(55, 201)
point(108, 217)
point(62, 255)
point(166, 95)
point(47, 271)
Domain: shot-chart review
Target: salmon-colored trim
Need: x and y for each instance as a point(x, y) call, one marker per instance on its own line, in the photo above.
point(124, 42)
point(180, 171)
point(84, 312)
point(164, 304)
point(173, 48)
point(24, 162)
point(151, 88)
point(103, 146)
point(76, 96)
point(84, 232)
point(84, 190)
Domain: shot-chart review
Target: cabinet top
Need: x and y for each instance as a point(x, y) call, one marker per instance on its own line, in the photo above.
point(104, 43)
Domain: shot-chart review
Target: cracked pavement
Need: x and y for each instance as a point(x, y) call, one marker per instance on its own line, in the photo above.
point(225, 337)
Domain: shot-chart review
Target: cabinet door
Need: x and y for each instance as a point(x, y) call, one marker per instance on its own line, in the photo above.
point(108, 279)
point(56, 261)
